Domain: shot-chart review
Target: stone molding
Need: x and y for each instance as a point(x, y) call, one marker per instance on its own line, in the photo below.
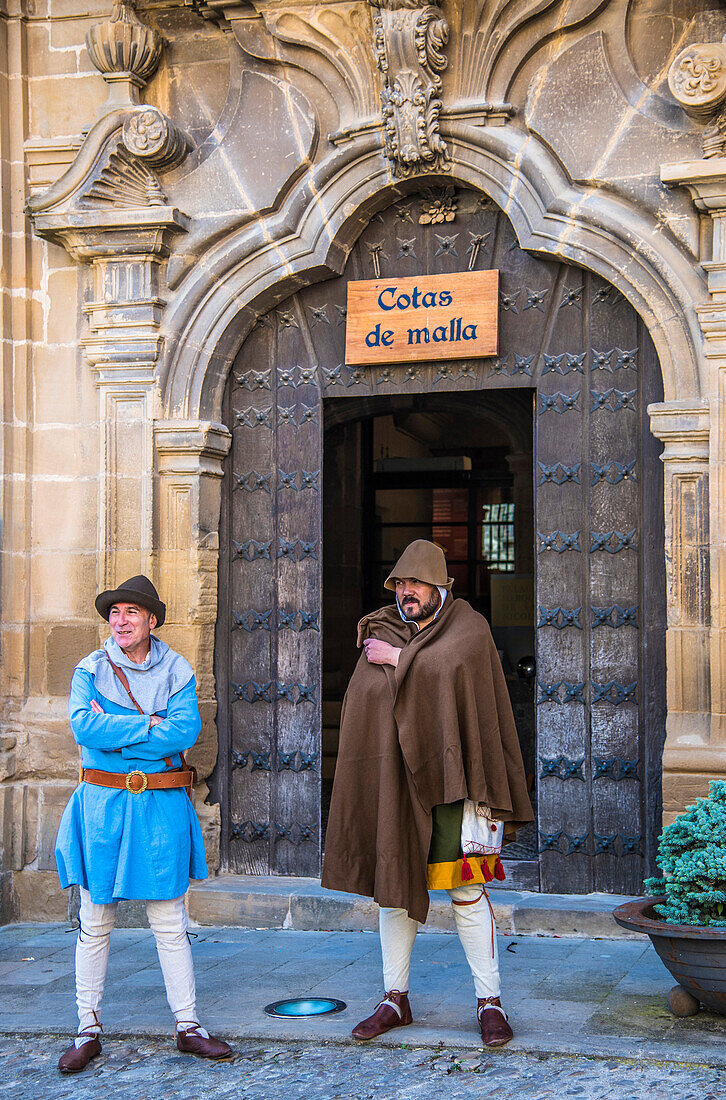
point(47, 160)
point(684, 427)
point(191, 448)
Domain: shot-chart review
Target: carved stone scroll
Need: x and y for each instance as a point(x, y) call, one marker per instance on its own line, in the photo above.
point(410, 39)
point(697, 80)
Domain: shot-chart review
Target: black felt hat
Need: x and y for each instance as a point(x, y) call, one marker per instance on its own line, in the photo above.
point(138, 590)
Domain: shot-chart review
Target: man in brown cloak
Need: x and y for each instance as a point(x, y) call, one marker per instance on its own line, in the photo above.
point(429, 778)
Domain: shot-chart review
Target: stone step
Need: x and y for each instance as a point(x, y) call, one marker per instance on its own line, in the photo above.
point(252, 901)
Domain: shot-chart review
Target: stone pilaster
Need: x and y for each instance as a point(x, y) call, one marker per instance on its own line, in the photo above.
point(695, 458)
point(127, 252)
point(109, 210)
point(687, 756)
point(189, 463)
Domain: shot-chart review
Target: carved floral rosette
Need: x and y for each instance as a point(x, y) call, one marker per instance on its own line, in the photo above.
point(697, 80)
point(150, 135)
point(410, 40)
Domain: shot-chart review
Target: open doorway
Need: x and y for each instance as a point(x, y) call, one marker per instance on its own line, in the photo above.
point(452, 468)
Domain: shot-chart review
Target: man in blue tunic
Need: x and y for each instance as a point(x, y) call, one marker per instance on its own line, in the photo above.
point(129, 829)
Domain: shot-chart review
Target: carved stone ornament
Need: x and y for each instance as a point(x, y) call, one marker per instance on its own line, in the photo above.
point(410, 39)
point(110, 199)
point(124, 48)
point(697, 80)
point(114, 170)
point(151, 136)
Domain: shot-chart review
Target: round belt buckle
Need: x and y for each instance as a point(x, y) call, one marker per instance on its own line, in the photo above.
point(140, 782)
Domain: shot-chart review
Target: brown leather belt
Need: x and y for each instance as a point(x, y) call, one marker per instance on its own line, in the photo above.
point(136, 781)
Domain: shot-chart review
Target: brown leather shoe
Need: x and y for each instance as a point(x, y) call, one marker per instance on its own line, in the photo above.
point(77, 1058)
point(193, 1040)
point(495, 1030)
point(393, 1011)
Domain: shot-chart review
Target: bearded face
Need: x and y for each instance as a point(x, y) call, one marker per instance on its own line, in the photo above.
point(418, 601)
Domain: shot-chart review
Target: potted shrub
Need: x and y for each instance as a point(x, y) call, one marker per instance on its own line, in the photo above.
point(686, 919)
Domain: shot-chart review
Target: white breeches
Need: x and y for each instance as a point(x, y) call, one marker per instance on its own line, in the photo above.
point(477, 931)
point(168, 920)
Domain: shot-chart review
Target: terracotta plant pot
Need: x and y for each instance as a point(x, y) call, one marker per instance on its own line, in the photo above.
point(696, 957)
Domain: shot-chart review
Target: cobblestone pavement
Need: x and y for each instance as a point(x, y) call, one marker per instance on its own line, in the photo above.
point(152, 1069)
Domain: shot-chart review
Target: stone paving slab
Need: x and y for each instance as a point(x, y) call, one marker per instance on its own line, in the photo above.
point(564, 995)
point(254, 901)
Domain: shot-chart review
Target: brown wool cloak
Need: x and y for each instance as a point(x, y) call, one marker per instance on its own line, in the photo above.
point(436, 729)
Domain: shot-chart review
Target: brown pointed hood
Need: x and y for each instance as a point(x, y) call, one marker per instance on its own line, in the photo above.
point(423, 560)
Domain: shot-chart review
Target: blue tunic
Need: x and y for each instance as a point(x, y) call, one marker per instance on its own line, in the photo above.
point(115, 843)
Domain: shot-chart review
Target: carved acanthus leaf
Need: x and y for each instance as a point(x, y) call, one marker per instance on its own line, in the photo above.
point(411, 38)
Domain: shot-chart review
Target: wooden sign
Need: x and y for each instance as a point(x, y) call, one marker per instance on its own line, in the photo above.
point(424, 317)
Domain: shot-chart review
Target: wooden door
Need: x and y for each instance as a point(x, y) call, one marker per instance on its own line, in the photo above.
point(599, 545)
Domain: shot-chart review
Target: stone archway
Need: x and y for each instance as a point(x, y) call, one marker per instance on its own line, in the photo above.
point(218, 302)
point(218, 305)
point(573, 338)
point(174, 403)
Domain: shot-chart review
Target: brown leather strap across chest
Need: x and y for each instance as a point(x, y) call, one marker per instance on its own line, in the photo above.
point(136, 781)
point(186, 776)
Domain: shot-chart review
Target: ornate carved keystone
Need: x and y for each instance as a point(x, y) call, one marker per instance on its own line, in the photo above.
point(410, 38)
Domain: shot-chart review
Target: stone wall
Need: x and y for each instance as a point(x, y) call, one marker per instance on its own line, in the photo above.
point(149, 253)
